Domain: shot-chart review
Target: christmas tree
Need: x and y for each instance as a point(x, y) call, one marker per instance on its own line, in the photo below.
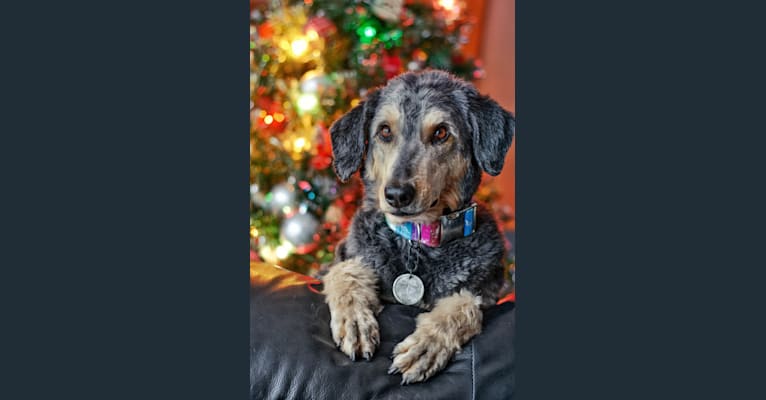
point(311, 61)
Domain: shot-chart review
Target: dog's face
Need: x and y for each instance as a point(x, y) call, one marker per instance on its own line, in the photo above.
point(422, 142)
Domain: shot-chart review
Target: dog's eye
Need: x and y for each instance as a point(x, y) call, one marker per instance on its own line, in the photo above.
point(385, 133)
point(440, 134)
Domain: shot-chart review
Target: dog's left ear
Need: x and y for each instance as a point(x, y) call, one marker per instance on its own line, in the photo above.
point(349, 135)
point(493, 129)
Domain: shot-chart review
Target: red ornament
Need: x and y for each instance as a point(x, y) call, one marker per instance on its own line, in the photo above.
point(392, 64)
point(265, 30)
point(458, 58)
point(320, 162)
point(323, 144)
point(323, 141)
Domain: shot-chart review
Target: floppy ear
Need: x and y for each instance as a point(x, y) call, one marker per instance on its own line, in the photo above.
point(349, 136)
point(493, 130)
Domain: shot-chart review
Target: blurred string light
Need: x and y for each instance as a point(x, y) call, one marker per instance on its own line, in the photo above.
point(274, 254)
point(299, 144)
point(282, 251)
point(299, 46)
point(451, 8)
point(369, 32)
point(307, 102)
point(368, 29)
point(446, 4)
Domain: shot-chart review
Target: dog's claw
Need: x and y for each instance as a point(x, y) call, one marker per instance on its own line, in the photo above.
point(392, 370)
point(367, 355)
point(352, 356)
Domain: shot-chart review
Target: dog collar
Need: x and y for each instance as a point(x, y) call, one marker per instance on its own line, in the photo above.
point(448, 227)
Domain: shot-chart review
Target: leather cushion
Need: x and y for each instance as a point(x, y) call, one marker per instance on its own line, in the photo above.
point(292, 355)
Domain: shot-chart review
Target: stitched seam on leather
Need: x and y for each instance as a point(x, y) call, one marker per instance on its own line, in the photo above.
point(473, 373)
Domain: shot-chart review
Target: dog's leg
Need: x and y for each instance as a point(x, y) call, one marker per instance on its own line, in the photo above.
point(438, 335)
point(350, 292)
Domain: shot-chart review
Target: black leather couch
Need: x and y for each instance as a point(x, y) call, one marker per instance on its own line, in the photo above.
point(292, 355)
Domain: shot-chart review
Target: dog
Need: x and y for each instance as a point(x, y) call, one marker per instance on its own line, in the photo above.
point(421, 144)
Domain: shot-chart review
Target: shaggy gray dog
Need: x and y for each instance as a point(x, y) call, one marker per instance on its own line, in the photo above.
point(421, 144)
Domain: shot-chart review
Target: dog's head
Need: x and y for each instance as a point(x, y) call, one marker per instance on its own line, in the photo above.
point(422, 142)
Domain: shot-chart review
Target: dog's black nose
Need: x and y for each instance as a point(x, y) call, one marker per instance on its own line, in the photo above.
point(400, 195)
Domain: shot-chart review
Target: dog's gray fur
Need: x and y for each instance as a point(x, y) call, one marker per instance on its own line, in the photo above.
point(480, 135)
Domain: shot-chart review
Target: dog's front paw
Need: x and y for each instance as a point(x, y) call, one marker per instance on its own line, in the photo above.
point(350, 292)
point(354, 330)
point(438, 335)
point(420, 356)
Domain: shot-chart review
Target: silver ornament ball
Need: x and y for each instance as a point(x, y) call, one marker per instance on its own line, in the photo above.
point(281, 196)
point(299, 229)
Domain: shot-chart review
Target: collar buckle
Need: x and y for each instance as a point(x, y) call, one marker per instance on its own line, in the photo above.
point(459, 224)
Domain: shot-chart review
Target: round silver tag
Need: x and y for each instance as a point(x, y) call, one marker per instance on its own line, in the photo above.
point(408, 289)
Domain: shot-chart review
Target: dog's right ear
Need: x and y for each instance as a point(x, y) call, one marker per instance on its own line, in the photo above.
point(349, 136)
point(493, 130)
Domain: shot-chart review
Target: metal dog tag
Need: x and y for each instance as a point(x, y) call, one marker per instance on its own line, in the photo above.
point(408, 289)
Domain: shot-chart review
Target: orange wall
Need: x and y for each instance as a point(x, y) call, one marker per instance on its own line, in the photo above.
point(497, 50)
